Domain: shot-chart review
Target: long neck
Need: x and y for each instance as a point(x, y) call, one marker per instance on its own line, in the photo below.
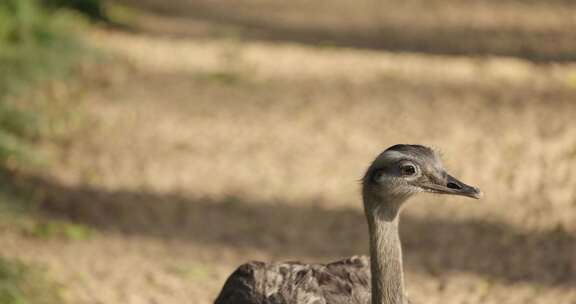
point(386, 254)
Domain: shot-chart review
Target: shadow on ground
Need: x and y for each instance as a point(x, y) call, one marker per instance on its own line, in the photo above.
point(406, 35)
point(496, 251)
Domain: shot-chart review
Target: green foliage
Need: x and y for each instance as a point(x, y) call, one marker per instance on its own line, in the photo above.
point(26, 22)
point(22, 284)
point(91, 8)
point(17, 128)
point(35, 44)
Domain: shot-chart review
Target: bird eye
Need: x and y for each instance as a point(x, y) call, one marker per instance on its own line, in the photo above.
point(408, 170)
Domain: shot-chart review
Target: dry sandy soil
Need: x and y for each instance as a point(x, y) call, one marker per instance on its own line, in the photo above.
point(208, 147)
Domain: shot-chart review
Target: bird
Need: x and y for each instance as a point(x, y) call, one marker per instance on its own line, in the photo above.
point(395, 175)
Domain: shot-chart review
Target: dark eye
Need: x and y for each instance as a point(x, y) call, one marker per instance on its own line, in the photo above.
point(407, 170)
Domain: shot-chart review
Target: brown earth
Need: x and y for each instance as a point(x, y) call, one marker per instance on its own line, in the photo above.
point(208, 147)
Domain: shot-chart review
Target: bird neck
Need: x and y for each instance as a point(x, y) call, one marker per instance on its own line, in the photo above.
point(386, 254)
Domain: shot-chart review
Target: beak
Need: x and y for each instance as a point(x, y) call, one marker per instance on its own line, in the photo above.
point(452, 186)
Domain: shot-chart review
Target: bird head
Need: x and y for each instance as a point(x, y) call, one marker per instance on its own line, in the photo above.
point(404, 170)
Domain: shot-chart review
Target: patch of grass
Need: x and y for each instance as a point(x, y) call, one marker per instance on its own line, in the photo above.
point(120, 14)
point(23, 284)
point(94, 9)
point(17, 129)
point(107, 12)
point(39, 50)
point(26, 24)
point(61, 230)
point(36, 44)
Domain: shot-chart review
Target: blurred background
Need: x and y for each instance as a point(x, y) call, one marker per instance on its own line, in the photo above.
point(149, 147)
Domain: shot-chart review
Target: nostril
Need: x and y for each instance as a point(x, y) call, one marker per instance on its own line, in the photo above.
point(452, 185)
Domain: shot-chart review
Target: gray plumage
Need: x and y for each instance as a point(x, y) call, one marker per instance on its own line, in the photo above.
point(395, 175)
point(346, 281)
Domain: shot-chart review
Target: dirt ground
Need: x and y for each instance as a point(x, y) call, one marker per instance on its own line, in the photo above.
point(209, 145)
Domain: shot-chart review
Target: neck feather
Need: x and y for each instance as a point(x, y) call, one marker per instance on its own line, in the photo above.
point(385, 252)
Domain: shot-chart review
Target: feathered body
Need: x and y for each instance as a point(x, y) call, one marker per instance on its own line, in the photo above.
point(342, 282)
point(395, 175)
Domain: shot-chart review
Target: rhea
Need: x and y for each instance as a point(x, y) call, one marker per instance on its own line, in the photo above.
point(394, 176)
